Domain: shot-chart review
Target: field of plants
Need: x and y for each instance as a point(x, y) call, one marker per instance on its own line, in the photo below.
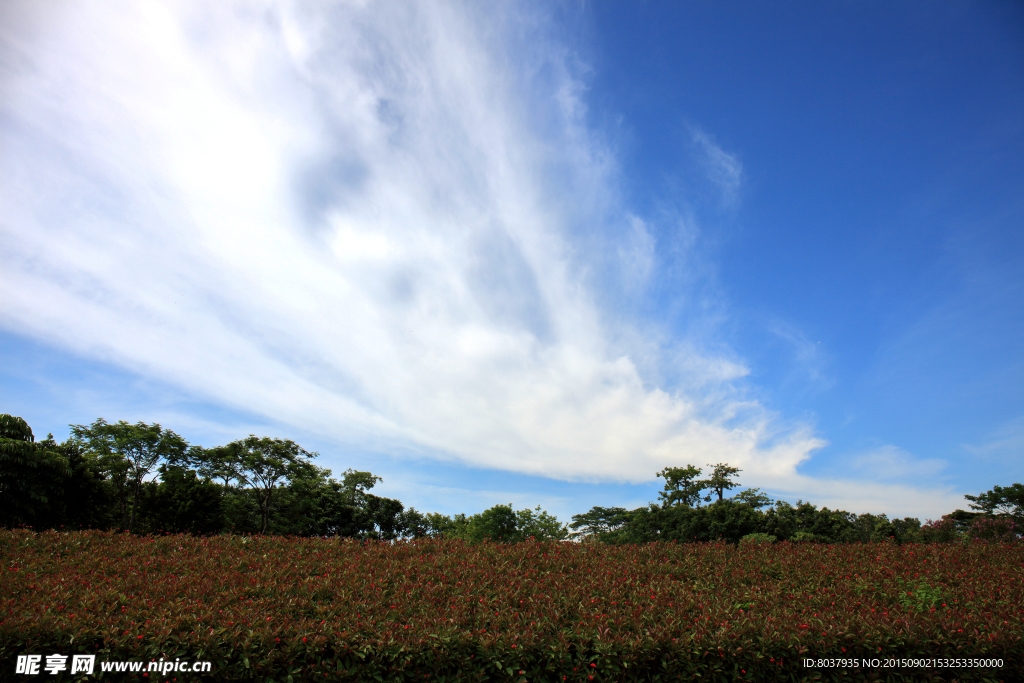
point(303, 609)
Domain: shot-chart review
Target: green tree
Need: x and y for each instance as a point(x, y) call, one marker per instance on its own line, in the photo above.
point(905, 530)
point(31, 478)
point(643, 525)
point(443, 526)
point(496, 524)
point(182, 503)
point(1000, 500)
point(241, 509)
point(500, 523)
point(945, 530)
point(682, 487)
point(835, 526)
point(141, 446)
point(721, 479)
point(211, 463)
point(754, 498)
point(730, 521)
point(683, 524)
point(785, 521)
point(338, 515)
point(599, 522)
point(355, 485)
point(263, 465)
point(87, 496)
point(301, 507)
point(539, 525)
point(415, 524)
point(385, 517)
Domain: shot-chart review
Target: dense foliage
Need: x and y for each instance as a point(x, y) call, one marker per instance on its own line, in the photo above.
point(147, 479)
point(335, 609)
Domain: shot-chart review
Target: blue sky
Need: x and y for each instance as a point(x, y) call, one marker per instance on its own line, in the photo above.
point(528, 253)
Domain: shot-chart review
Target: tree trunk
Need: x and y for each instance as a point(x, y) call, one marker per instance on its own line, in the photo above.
point(266, 512)
point(135, 505)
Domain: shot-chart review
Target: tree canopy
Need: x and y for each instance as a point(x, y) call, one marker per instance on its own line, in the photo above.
point(131, 450)
point(1000, 500)
point(682, 487)
point(30, 475)
point(105, 472)
point(262, 464)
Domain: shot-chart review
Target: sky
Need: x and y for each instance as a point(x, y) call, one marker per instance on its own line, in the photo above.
point(528, 253)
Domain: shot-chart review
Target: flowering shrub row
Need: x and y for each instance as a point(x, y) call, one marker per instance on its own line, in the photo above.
point(281, 608)
point(978, 528)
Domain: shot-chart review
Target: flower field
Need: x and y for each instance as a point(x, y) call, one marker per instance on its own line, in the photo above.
point(308, 609)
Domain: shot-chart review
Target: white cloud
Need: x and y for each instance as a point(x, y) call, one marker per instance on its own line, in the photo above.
point(859, 496)
point(886, 479)
point(1005, 443)
point(891, 462)
point(637, 254)
point(810, 361)
point(723, 169)
point(362, 220)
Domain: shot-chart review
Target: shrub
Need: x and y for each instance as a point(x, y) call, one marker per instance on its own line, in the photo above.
point(757, 539)
point(994, 529)
point(943, 530)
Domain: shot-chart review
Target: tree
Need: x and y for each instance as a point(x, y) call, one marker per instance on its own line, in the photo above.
point(263, 465)
point(87, 496)
point(302, 507)
point(415, 524)
point(496, 524)
point(784, 521)
point(443, 526)
point(599, 522)
point(539, 525)
point(31, 478)
point(682, 487)
point(682, 523)
point(211, 463)
point(1001, 501)
point(182, 503)
point(905, 530)
point(721, 479)
point(754, 498)
point(356, 484)
point(141, 446)
point(731, 521)
point(338, 516)
point(643, 525)
point(386, 521)
point(500, 523)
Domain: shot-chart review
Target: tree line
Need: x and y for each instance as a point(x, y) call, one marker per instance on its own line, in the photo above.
point(696, 510)
point(143, 478)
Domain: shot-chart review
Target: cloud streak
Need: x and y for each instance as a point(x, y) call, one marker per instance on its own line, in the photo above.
point(365, 220)
point(722, 169)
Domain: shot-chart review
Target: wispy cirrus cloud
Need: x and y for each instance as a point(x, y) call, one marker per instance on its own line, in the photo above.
point(721, 168)
point(891, 463)
point(810, 362)
point(370, 221)
point(1006, 443)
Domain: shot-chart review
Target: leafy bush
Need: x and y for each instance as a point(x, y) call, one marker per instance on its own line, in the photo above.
point(269, 608)
point(501, 524)
point(1002, 528)
point(944, 530)
point(756, 539)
